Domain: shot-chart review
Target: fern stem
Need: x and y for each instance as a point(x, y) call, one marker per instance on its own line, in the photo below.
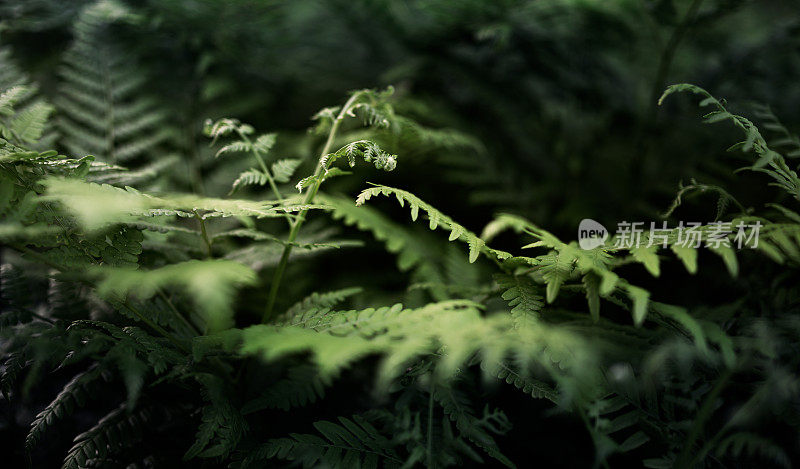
point(309, 198)
point(430, 423)
point(266, 171)
point(664, 64)
point(703, 414)
point(667, 56)
point(204, 235)
point(155, 326)
point(192, 328)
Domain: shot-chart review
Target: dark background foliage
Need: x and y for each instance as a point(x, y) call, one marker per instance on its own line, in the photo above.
point(562, 94)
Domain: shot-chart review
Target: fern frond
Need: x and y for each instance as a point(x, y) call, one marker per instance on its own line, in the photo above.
point(744, 444)
point(366, 149)
point(103, 109)
point(768, 161)
point(9, 97)
point(211, 284)
point(282, 170)
point(320, 301)
point(221, 421)
point(73, 395)
point(251, 177)
point(23, 116)
point(29, 124)
point(125, 177)
point(413, 253)
point(302, 386)
point(225, 126)
point(264, 143)
point(336, 339)
point(786, 139)
point(458, 409)
point(536, 388)
point(436, 219)
point(115, 431)
point(566, 262)
point(97, 206)
point(349, 443)
point(522, 296)
point(239, 146)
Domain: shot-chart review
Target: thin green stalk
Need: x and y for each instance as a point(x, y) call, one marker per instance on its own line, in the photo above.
point(309, 198)
point(204, 234)
point(155, 326)
point(430, 423)
point(638, 162)
point(263, 165)
point(668, 54)
point(192, 328)
point(703, 414)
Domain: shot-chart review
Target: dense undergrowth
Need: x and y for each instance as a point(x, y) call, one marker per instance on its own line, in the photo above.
point(261, 299)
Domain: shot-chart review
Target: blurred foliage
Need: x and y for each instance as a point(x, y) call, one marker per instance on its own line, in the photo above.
point(519, 116)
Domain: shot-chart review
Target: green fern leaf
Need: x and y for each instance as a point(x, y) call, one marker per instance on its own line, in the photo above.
point(349, 443)
point(476, 245)
point(74, 394)
point(211, 284)
point(282, 170)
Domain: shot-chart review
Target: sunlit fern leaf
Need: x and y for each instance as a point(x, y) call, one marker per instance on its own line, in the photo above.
point(413, 252)
point(239, 146)
point(367, 150)
point(96, 206)
point(9, 97)
point(211, 284)
point(282, 170)
point(557, 267)
point(261, 236)
point(436, 219)
point(523, 297)
point(334, 340)
point(321, 300)
point(251, 177)
point(264, 143)
point(566, 261)
point(23, 115)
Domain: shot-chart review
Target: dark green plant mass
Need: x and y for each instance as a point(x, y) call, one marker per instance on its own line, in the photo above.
point(190, 277)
